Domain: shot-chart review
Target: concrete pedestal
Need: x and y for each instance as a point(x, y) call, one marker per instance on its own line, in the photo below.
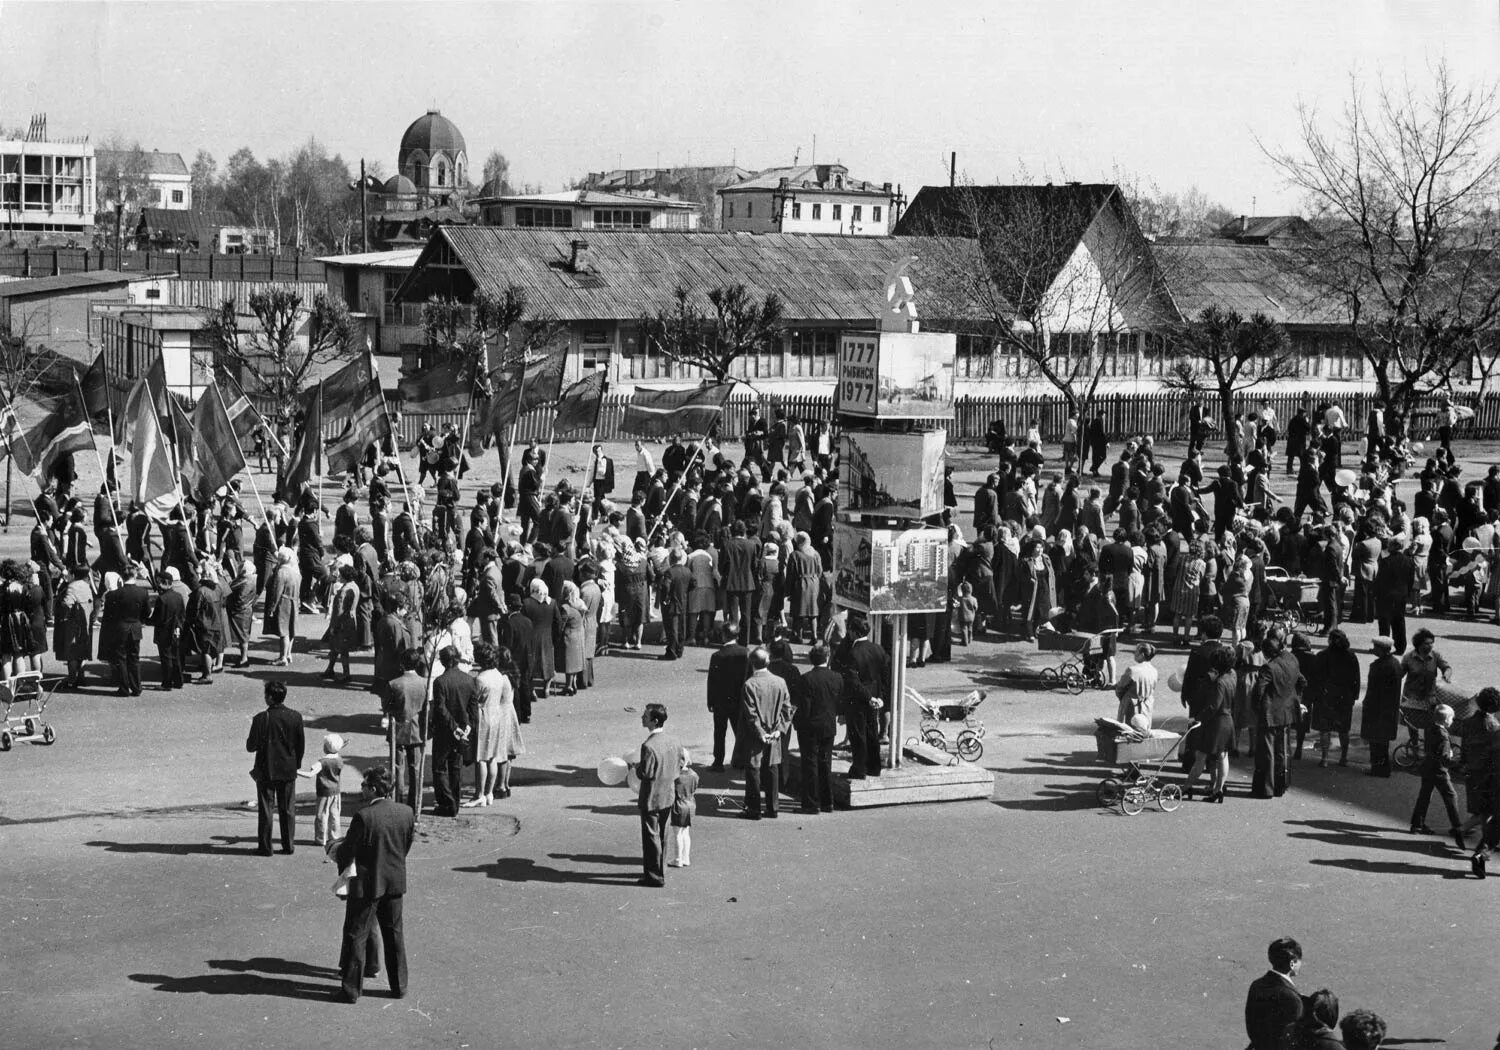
point(926, 775)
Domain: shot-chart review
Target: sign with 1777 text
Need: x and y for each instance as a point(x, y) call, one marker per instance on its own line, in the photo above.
point(859, 373)
point(896, 375)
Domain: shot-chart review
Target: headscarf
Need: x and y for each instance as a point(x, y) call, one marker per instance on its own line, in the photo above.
point(112, 581)
point(570, 594)
point(285, 556)
point(538, 591)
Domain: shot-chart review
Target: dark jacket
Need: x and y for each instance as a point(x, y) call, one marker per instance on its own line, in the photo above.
point(131, 608)
point(378, 841)
point(727, 670)
point(1278, 691)
point(277, 741)
point(453, 692)
point(817, 696)
point(1270, 1007)
point(740, 565)
point(168, 618)
point(1393, 579)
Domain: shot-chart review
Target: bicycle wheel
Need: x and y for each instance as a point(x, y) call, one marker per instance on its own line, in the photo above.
point(1405, 755)
point(969, 747)
point(1170, 798)
point(1108, 791)
point(1131, 801)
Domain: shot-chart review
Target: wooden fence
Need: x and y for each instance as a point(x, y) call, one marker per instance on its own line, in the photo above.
point(198, 266)
point(1163, 415)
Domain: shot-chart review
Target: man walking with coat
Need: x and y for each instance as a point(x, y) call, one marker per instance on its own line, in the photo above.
point(453, 695)
point(1277, 700)
point(766, 714)
point(277, 743)
point(380, 836)
point(727, 670)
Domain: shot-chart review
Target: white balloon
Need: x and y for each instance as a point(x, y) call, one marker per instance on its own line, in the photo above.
point(612, 771)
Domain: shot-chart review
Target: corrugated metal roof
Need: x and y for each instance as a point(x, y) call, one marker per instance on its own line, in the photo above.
point(69, 282)
point(1247, 278)
point(805, 176)
point(627, 274)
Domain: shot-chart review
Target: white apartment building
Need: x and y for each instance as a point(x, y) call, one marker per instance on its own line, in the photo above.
point(46, 185)
point(146, 179)
point(810, 198)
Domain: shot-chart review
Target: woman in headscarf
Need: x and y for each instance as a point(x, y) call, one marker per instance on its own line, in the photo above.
point(367, 573)
point(572, 616)
point(632, 592)
point(768, 601)
point(604, 555)
point(497, 731)
point(542, 613)
point(343, 619)
point(592, 598)
point(205, 619)
point(239, 607)
point(106, 617)
point(1136, 689)
point(282, 587)
point(73, 637)
point(410, 598)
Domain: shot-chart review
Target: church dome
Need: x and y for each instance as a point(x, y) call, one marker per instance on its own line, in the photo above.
point(429, 134)
point(398, 184)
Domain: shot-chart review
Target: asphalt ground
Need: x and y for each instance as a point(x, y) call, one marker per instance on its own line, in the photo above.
point(136, 914)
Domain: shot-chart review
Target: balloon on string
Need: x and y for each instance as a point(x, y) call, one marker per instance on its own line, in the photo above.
point(1485, 534)
point(1174, 682)
point(1345, 478)
point(1471, 543)
point(613, 771)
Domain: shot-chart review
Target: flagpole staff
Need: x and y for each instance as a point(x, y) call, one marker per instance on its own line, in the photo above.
point(248, 472)
point(108, 499)
point(702, 445)
point(511, 441)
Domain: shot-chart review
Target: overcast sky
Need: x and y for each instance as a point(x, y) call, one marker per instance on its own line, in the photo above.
point(1175, 93)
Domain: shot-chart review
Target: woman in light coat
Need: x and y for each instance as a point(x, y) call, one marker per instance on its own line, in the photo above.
point(282, 587)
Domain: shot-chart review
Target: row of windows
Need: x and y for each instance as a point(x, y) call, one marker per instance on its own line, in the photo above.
point(621, 219)
point(548, 218)
point(1131, 354)
point(805, 353)
point(856, 211)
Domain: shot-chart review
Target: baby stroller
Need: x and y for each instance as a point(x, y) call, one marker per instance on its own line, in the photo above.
point(1083, 668)
point(966, 745)
point(24, 688)
point(1136, 787)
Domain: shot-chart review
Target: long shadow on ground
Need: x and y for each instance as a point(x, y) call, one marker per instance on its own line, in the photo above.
point(250, 977)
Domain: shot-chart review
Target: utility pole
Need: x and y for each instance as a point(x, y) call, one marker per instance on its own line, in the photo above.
point(364, 215)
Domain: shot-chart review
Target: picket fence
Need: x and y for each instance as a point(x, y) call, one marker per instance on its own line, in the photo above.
point(1163, 415)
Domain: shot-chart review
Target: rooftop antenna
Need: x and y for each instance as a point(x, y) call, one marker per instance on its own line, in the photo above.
point(796, 155)
point(814, 160)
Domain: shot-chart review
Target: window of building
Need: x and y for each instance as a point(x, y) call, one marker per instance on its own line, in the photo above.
point(749, 209)
point(812, 352)
point(730, 206)
point(976, 356)
point(838, 212)
point(546, 218)
point(817, 211)
point(875, 212)
point(796, 211)
point(392, 284)
point(176, 196)
point(622, 219)
point(856, 215)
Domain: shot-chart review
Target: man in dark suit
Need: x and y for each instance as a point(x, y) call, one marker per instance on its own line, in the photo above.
point(1277, 700)
point(1273, 1002)
point(659, 763)
point(45, 554)
point(741, 568)
point(379, 838)
point(727, 670)
point(515, 634)
point(601, 475)
point(168, 619)
point(986, 504)
point(672, 593)
point(817, 697)
point(277, 743)
point(453, 692)
point(1392, 589)
point(870, 666)
point(402, 700)
point(132, 608)
point(766, 713)
point(1297, 430)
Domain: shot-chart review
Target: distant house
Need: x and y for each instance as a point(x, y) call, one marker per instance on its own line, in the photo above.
point(367, 282)
point(146, 180)
point(587, 210)
point(201, 231)
point(811, 198)
point(699, 185)
point(1276, 230)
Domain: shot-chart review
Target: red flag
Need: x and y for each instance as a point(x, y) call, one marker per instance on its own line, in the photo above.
point(364, 415)
point(154, 482)
point(662, 413)
point(307, 460)
point(217, 452)
point(578, 408)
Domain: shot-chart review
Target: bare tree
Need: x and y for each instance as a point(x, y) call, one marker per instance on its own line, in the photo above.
point(1059, 277)
point(272, 359)
point(1403, 188)
point(734, 326)
point(1221, 352)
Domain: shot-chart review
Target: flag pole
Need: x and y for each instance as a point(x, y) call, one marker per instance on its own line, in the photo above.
point(10, 456)
point(511, 441)
point(702, 444)
point(83, 402)
point(248, 472)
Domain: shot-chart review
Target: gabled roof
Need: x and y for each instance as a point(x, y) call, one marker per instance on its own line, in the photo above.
point(807, 176)
point(68, 282)
point(1029, 232)
point(178, 223)
point(624, 274)
point(589, 198)
point(1265, 228)
point(400, 259)
point(109, 161)
point(1246, 278)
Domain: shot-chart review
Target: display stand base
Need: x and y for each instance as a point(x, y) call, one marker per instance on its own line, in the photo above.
point(922, 777)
